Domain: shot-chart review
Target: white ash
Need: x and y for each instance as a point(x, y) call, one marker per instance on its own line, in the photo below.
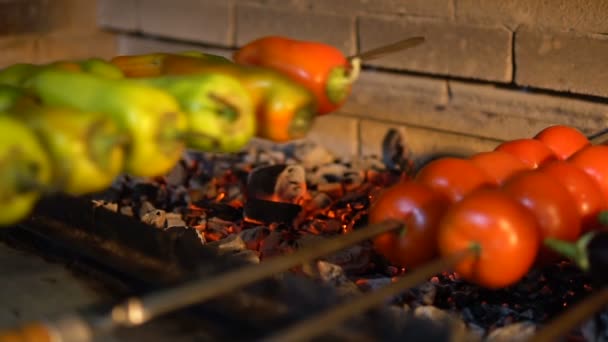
point(174, 220)
point(112, 206)
point(334, 275)
point(291, 184)
point(521, 331)
point(231, 244)
point(156, 218)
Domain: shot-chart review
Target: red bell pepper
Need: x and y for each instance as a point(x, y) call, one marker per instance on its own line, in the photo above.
point(322, 68)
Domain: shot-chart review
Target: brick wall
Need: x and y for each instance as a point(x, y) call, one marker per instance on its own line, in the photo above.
point(491, 70)
point(39, 31)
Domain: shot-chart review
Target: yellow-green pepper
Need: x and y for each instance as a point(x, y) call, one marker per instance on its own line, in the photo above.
point(151, 117)
point(25, 170)
point(221, 116)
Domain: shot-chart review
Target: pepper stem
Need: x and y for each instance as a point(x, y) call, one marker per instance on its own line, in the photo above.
point(340, 79)
point(576, 251)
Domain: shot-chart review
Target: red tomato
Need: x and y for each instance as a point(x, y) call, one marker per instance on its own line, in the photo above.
point(530, 151)
point(589, 198)
point(420, 208)
point(499, 165)
point(563, 140)
point(453, 177)
point(555, 209)
point(504, 230)
point(594, 161)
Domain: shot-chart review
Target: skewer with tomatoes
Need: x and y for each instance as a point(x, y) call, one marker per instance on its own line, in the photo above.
point(500, 205)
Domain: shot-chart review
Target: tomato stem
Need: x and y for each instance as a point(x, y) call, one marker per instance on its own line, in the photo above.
point(475, 247)
point(602, 217)
point(576, 251)
point(403, 231)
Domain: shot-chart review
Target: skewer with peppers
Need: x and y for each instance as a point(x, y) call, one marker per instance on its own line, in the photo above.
point(284, 109)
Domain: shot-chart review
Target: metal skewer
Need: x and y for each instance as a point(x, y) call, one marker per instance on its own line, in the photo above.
point(330, 319)
point(388, 49)
point(573, 317)
point(136, 311)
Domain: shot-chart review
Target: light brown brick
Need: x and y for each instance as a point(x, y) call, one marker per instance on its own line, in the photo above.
point(422, 142)
point(192, 20)
point(254, 22)
point(514, 113)
point(133, 45)
point(426, 8)
point(61, 47)
point(118, 14)
point(421, 102)
point(75, 16)
point(582, 15)
point(17, 49)
point(23, 16)
point(337, 133)
point(450, 49)
point(562, 61)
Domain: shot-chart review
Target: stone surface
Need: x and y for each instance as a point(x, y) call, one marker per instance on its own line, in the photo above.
point(191, 20)
point(62, 47)
point(132, 45)
point(338, 133)
point(561, 61)
point(17, 49)
point(74, 16)
point(450, 49)
point(525, 113)
point(582, 15)
point(255, 21)
point(424, 143)
point(118, 14)
point(426, 8)
point(23, 16)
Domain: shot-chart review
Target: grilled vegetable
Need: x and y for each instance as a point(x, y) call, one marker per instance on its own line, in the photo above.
point(151, 65)
point(151, 117)
point(85, 148)
point(220, 111)
point(25, 170)
point(284, 109)
point(100, 68)
point(321, 68)
point(18, 74)
point(503, 232)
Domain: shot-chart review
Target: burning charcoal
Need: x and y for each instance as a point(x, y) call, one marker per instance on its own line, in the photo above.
point(355, 259)
point(230, 244)
point(512, 333)
point(269, 211)
point(372, 284)
point(291, 184)
point(253, 237)
point(112, 206)
point(334, 275)
point(320, 201)
point(156, 218)
point(596, 329)
point(178, 174)
point(311, 154)
point(145, 208)
point(426, 293)
point(395, 152)
point(275, 244)
point(248, 256)
point(175, 220)
point(458, 329)
point(328, 173)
